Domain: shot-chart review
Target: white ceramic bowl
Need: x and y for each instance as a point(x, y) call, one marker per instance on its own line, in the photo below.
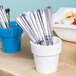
point(64, 31)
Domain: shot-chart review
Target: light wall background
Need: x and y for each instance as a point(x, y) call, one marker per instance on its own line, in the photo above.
point(19, 6)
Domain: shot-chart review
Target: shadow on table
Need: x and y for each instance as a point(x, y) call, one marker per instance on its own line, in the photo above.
point(25, 47)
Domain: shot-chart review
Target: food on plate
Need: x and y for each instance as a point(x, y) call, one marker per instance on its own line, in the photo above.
point(70, 18)
point(74, 23)
point(69, 14)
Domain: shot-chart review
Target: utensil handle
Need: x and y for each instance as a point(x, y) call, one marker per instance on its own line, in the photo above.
point(19, 21)
point(4, 16)
point(48, 16)
point(2, 22)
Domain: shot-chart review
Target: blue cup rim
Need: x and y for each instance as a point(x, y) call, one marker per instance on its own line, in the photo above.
point(11, 22)
point(15, 30)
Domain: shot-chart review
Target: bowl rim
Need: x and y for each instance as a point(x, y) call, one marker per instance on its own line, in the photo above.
point(66, 26)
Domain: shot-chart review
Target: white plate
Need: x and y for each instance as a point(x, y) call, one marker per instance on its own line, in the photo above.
point(64, 31)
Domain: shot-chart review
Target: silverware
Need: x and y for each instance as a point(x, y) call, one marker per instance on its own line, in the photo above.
point(2, 22)
point(21, 24)
point(48, 17)
point(3, 15)
point(37, 25)
point(33, 26)
point(8, 16)
point(43, 41)
point(31, 23)
point(24, 18)
point(40, 16)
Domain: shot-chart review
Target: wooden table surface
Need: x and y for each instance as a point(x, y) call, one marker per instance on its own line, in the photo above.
point(22, 63)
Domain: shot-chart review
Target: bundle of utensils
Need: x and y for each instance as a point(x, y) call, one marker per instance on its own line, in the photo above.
point(37, 25)
point(4, 17)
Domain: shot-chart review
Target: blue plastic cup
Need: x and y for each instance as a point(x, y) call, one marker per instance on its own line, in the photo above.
point(11, 38)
